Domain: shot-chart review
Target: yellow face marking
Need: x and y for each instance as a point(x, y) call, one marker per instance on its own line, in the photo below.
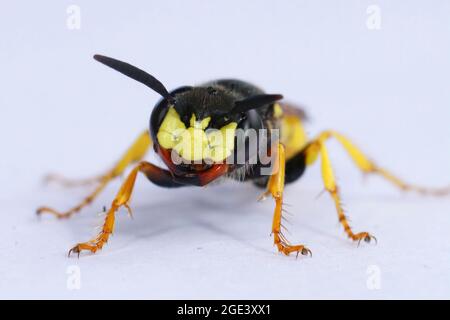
point(171, 129)
point(194, 143)
point(199, 124)
point(221, 142)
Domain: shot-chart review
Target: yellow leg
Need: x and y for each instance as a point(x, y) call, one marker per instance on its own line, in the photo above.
point(368, 166)
point(122, 198)
point(135, 153)
point(275, 188)
point(69, 183)
point(316, 147)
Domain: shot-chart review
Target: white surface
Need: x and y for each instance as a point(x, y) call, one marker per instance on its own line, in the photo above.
point(63, 112)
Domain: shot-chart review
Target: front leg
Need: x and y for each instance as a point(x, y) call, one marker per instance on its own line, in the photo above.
point(275, 188)
point(155, 174)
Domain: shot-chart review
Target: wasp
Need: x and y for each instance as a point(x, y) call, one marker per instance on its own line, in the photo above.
point(203, 134)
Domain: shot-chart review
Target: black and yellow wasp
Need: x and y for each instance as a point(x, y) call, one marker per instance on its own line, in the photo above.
point(190, 116)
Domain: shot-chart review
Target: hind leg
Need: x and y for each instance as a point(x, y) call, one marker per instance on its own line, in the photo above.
point(318, 148)
point(135, 153)
point(367, 166)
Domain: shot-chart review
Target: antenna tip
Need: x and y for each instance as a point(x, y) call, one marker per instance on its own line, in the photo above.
point(99, 57)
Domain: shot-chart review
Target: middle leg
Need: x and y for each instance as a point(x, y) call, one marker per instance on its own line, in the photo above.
point(315, 148)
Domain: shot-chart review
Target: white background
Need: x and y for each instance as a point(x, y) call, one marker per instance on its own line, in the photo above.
point(63, 112)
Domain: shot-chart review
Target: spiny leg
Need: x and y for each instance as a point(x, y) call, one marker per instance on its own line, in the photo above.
point(69, 183)
point(316, 147)
point(135, 153)
point(369, 167)
point(155, 174)
point(275, 188)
